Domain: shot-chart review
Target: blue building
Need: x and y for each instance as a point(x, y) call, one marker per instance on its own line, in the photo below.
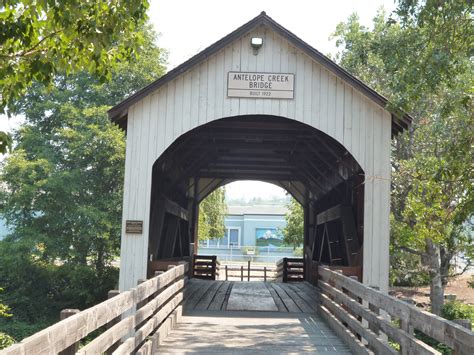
point(252, 233)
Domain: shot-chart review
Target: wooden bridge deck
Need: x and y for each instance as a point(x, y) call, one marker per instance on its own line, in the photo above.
point(223, 317)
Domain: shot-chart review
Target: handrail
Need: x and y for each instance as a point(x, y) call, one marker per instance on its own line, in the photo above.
point(165, 291)
point(364, 310)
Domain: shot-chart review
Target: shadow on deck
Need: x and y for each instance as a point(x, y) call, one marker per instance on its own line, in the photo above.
point(251, 318)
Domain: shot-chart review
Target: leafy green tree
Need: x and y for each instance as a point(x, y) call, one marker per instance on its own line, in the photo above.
point(62, 192)
point(293, 233)
point(40, 39)
point(212, 212)
point(420, 58)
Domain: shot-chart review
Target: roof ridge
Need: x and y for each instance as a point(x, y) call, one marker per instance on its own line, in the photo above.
point(119, 112)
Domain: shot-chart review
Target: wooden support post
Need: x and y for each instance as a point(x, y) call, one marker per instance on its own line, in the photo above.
point(111, 294)
point(66, 313)
point(285, 270)
point(264, 274)
point(248, 270)
point(241, 273)
point(144, 302)
point(226, 273)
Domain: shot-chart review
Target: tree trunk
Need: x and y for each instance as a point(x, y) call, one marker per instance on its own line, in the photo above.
point(433, 262)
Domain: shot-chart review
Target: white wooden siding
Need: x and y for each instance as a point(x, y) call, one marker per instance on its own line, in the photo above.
point(321, 100)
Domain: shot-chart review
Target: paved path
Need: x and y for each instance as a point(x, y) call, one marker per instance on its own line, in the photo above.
point(222, 317)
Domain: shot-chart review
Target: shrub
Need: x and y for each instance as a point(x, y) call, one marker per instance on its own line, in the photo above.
point(5, 340)
point(458, 310)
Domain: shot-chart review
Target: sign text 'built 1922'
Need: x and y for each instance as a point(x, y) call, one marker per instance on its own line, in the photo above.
point(261, 85)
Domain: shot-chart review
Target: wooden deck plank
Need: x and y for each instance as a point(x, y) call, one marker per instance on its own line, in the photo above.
point(300, 302)
point(228, 332)
point(221, 295)
point(227, 295)
point(208, 297)
point(279, 303)
point(196, 296)
point(289, 303)
point(304, 293)
point(251, 296)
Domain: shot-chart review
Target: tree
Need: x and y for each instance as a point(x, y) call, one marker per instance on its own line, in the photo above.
point(5, 339)
point(419, 57)
point(40, 39)
point(293, 233)
point(212, 212)
point(62, 191)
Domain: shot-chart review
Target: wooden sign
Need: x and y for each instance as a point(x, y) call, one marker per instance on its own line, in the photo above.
point(260, 85)
point(133, 227)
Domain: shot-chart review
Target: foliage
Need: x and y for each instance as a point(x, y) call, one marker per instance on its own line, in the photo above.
point(293, 233)
point(42, 38)
point(212, 212)
point(62, 193)
point(298, 252)
point(38, 290)
point(458, 310)
point(5, 339)
point(419, 57)
point(451, 310)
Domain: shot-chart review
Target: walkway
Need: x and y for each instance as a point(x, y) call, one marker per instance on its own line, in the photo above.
point(252, 318)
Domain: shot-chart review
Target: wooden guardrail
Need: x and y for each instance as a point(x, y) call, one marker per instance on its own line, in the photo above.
point(135, 317)
point(368, 319)
point(290, 269)
point(247, 272)
point(206, 267)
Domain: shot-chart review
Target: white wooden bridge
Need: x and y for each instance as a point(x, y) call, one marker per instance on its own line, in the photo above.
point(170, 313)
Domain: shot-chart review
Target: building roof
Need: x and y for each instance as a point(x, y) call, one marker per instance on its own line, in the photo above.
point(118, 113)
point(272, 210)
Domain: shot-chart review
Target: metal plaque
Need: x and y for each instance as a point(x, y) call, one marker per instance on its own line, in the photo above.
point(133, 227)
point(260, 85)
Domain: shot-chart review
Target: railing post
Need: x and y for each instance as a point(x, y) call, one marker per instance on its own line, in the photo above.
point(70, 350)
point(226, 273)
point(241, 273)
point(264, 274)
point(285, 270)
point(111, 294)
point(141, 303)
point(248, 270)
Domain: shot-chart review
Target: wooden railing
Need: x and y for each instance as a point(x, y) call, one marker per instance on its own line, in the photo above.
point(368, 319)
point(132, 321)
point(206, 267)
point(290, 269)
point(247, 273)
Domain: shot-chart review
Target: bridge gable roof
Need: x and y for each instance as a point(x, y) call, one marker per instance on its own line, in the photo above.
point(119, 112)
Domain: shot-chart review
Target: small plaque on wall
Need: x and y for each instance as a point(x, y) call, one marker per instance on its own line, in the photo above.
point(133, 227)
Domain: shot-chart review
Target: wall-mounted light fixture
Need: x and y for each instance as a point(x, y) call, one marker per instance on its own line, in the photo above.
point(256, 43)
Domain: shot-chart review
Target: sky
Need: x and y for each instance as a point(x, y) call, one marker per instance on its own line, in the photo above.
point(187, 27)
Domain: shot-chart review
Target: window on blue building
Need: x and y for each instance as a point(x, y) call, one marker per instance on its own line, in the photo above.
point(231, 239)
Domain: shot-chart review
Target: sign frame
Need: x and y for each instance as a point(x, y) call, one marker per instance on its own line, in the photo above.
point(133, 227)
point(260, 93)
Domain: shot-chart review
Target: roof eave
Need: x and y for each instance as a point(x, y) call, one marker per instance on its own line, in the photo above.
point(118, 114)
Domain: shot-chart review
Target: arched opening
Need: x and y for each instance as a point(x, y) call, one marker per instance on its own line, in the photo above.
point(314, 168)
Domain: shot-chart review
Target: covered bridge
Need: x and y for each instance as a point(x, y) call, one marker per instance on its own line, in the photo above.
point(259, 104)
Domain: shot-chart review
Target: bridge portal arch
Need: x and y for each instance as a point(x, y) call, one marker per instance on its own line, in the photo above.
point(314, 168)
point(285, 88)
